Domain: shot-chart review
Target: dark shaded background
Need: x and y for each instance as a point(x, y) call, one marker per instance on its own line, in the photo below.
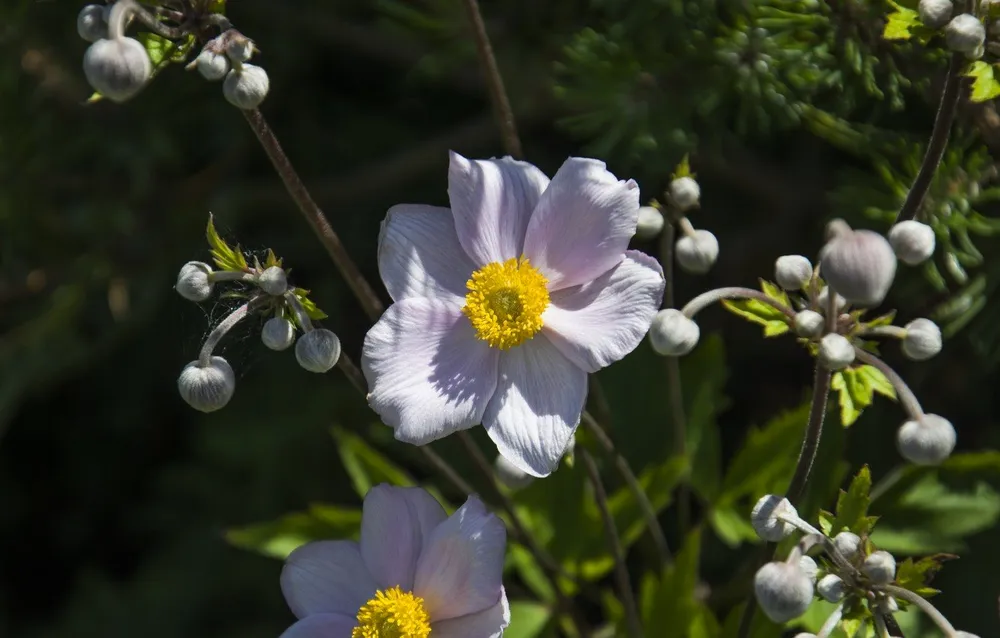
point(114, 495)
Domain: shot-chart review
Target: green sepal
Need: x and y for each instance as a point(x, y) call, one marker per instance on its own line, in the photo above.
point(225, 257)
point(774, 321)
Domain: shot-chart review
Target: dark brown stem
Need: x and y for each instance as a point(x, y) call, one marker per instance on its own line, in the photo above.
point(314, 215)
point(498, 94)
point(938, 142)
point(814, 432)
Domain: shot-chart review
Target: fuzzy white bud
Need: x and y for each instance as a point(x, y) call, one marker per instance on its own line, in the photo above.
point(685, 193)
point(783, 591)
point(809, 567)
point(207, 389)
point(510, 475)
point(935, 13)
point(650, 223)
point(848, 544)
point(192, 281)
point(836, 351)
point(928, 441)
point(965, 33)
point(246, 88)
point(880, 567)
point(860, 265)
point(317, 350)
point(239, 48)
point(117, 69)
point(793, 272)
point(212, 66)
point(697, 253)
point(273, 281)
point(765, 518)
point(91, 23)
point(805, 635)
point(831, 588)
point(912, 241)
point(672, 334)
point(808, 324)
point(922, 340)
point(278, 333)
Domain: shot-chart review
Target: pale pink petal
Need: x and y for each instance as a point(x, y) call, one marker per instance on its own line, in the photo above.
point(600, 322)
point(537, 405)
point(326, 577)
point(461, 569)
point(582, 224)
point(322, 626)
point(488, 623)
point(395, 523)
point(419, 254)
point(492, 201)
point(428, 374)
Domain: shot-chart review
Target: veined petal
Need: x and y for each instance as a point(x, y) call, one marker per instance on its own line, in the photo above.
point(600, 322)
point(537, 405)
point(419, 254)
point(395, 524)
point(461, 569)
point(322, 626)
point(492, 201)
point(582, 224)
point(428, 375)
point(326, 577)
point(488, 623)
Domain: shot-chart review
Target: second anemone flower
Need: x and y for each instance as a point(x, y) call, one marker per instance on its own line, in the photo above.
point(505, 302)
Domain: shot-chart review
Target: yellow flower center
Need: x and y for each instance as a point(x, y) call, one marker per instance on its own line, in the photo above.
point(393, 613)
point(505, 302)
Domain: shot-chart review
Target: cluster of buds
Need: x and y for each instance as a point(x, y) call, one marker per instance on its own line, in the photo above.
point(695, 250)
point(963, 33)
point(227, 58)
point(851, 572)
point(117, 66)
point(825, 307)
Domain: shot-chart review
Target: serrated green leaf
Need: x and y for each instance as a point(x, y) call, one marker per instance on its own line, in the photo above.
point(672, 608)
point(900, 23)
point(279, 538)
point(882, 320)
point(826, 522)
point(856, 386)
point(849, 411)
point(916, 575)
point(224, 256)
point(984, 85)
point(774, 321)
point(877, 381)
point(852, 505)
point(308, 305)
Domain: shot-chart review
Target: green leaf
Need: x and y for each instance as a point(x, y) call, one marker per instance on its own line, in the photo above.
point(730, 526)
point(855, 387)
point(774, 321)
point(225, 257)
point(900, 23)
point(916, 575)
point(683, 169)
point(279, 538)
point(669, 605)
point(852, 506)
point(527, 619)
point(658, 483)
point(366, 466)
point(308, 305)
point(985, 85)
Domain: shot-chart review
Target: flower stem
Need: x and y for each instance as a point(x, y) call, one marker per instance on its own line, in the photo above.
point(706, 299)
point(314, 215)
point(923, 604)
point(205, 356)
point(814, 432)
point(891, 332)
point(231, 275)
point(648, 511)
point(149, 21)
point(494, 81)
point(906, 396)
point(614, 543)
point(301, 316)
point(832, 621)
point(938, 142)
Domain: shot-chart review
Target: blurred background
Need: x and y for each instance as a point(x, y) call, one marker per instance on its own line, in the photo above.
point(115, 497)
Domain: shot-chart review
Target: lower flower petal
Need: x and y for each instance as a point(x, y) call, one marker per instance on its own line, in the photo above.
point(322, 626)
point(428, 375)
point(326, 577)
point(600, 322)
point(488, 623)
point(395, 524)
point(461, 569)
point(537, 405)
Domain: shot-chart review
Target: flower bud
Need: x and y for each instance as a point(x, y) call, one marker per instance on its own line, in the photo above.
point(963, 634)
point(212, 66)
point(823, 300)
point(935, 13)
point(848, 544)
point(685, 193)
point(246, 88)
point(860, 265)
point(510, 475)
point(912, 241)
point(808, 567)
point(808, 324)
point(273, 281)
point(117, 69)
point(880, 567)
point(91, 23)
point(922, 340)
point(192, 281)
point(278, 333)
point(793, 272)
point(764, 518)
point(207, 389)
point(965, 33)
point(831, 588)
point(805, 635)
point(783, 591)
point(836, 351)
point(239, 48)
point(696, 253)
point(928, 441)
point(650, 223)
point(672, 334)
point(317, 350)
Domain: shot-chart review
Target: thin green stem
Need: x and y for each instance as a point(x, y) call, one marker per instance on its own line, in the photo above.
point(906, 396)
point(706, 299)
point(923, 604)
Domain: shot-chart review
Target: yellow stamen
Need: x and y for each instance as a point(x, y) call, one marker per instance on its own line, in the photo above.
point(393, 613)
point(505, 302)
